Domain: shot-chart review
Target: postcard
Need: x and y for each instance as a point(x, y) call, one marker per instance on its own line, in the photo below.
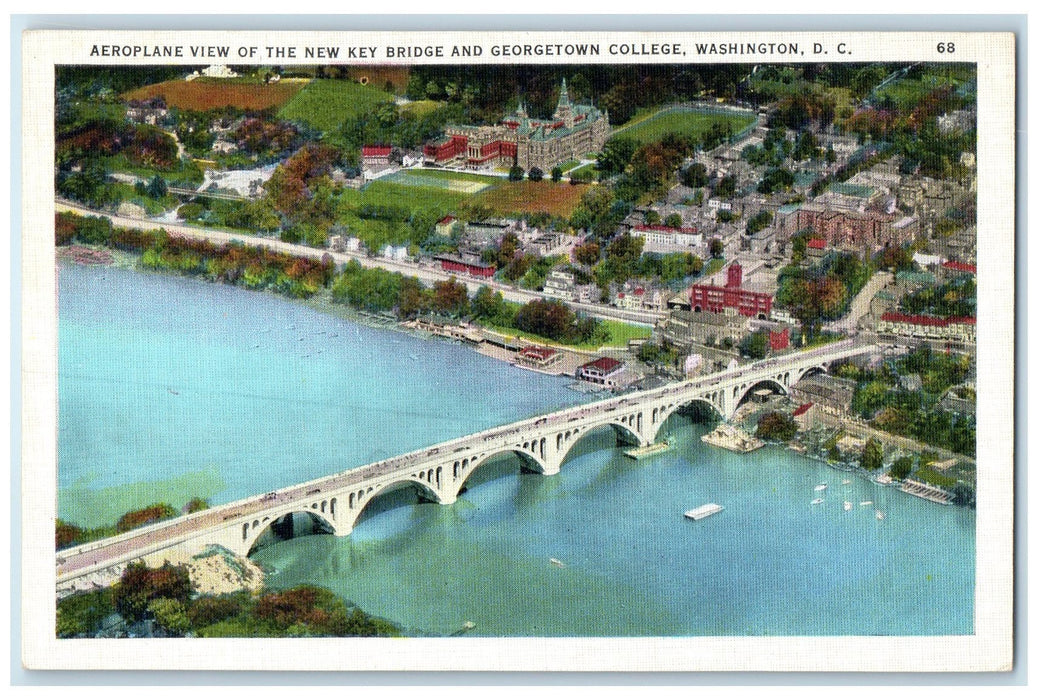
point(517, 351)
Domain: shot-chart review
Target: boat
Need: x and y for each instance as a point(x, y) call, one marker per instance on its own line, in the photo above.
point(847, 505)
point(865, 503)
point(174, 392)
point(648, 450)
point(703, 511)
point(880, 515)
point(468, 625)
point(845, 482)
point(731, 438)
point(821, 487)
point(556, 562)
point(817, 501)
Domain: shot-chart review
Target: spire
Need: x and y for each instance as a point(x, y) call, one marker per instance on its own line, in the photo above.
point(563, 95)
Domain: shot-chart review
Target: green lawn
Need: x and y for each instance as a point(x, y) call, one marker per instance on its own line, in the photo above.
point(419, 108)
point(585, 172)
point(453, 175)
point(325, 104)
point(682, 121)
point(618, 333)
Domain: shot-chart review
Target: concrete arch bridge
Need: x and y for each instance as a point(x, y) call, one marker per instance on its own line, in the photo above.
point(439, 472)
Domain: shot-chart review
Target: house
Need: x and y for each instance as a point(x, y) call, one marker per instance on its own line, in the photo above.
point(375, 159)
point(538, 358)
point(605, 371)
point(778, 340)
point(466, 265)
point(445, 226)
point(560, 283)
point(960, 329)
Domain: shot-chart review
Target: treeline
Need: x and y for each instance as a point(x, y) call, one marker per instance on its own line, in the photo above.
point(375, 290)
point(233, 263)
point(68, 534)
point(165, 598)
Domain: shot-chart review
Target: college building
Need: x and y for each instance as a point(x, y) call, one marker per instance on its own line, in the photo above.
point(572, 132)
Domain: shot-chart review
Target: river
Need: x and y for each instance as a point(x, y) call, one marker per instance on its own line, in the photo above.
point(171, 388)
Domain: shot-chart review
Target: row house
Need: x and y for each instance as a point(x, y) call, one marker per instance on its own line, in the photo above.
point(959, 329)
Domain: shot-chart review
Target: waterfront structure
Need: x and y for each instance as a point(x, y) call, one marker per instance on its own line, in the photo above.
point(571, 133)
point(440, 471)
point(604, 371)
point(539, 358)
point(709, 296)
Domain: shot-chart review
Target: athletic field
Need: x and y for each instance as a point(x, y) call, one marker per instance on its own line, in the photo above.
point(440, 180)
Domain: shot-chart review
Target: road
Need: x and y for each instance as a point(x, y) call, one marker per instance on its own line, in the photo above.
point(426, 272)
point(860, 304)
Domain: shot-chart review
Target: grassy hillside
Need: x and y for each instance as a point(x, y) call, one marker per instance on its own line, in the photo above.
point(325, 104)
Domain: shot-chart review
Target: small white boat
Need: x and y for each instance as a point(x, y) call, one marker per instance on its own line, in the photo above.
point(880, 515)
point(556, 562)
point(865, 503)
point(821, 487)
point(847, 505)
point(846, 481)
point(817, 501)
point(703, 511)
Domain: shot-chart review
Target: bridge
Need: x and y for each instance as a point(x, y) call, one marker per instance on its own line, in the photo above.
point(440, 471)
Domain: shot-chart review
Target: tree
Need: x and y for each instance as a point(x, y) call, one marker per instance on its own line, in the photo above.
point(725, 188)
point(872, 455)
point(901, 468)
point(556, 174)
point(587, 253)
point(776, 426)
point(716, 248)
point(674, 221)
point(616, 155)
point(515, 174)
point(756, 345)
point(450, 297)
point(652, 217)
point(139, 585)
point(156, 188)
point(694, 176)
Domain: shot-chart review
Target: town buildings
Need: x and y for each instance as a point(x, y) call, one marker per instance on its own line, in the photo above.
point(572, 132)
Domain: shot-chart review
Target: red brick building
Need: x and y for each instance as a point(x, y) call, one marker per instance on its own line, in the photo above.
point(710, 297)
point(476, 268)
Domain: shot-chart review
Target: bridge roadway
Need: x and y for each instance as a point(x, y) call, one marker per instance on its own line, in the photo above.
point(441, 470)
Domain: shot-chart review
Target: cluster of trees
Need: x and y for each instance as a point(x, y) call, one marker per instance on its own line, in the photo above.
point(881, 399)
point(824, 291)
point(165, 596)
point(234, 263)
point(145, 516)
point(776, 426)
point(556, 321)
point(957, 297)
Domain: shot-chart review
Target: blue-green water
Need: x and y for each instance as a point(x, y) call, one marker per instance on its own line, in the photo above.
point(170, 388)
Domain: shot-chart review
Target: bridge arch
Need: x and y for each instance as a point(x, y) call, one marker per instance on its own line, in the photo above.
point(465, 469)
point(744, 390)
point(253, 530)
point(664, 412)
point(360, 500)
point(624, 427)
